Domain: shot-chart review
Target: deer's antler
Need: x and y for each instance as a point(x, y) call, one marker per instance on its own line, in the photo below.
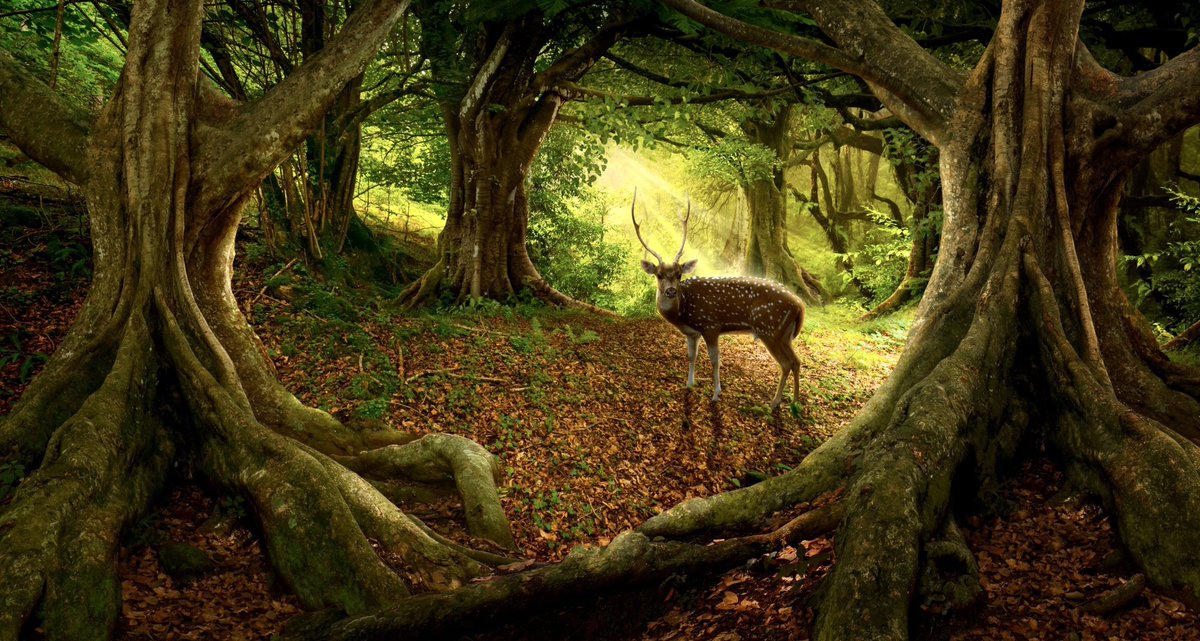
point(686, 217)
point(638, 230)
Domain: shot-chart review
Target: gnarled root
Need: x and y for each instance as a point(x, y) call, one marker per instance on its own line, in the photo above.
point(949, 573)
point(631, 559)
point(1146, 473)
point(424, 288)
point(309, 509)
point(445, 457)
point(60, 535)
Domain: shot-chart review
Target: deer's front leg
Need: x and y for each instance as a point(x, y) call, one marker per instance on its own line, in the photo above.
point(714, 355)
point(693, 346)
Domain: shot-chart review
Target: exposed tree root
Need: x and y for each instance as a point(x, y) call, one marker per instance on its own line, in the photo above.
point(1145, 472)
point(822, 471)
point(547, 294)
point(59, 536)
point(428, 286)
point(949, 574)
point(441, 458)
point(424, 288)
point(1185, 338)
point(631, 559)
point(904, 292)
point(316, 536)
point(1116, 598)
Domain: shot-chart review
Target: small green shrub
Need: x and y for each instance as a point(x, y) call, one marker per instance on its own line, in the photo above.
point(1170, 276)
point(374, 409)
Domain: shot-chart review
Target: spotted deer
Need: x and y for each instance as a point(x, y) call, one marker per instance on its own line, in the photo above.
point(708, 307)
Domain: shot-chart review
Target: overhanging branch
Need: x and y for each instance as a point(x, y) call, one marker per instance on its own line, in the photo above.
point(41, 124)
point(266, 131)
point(1163, 103)
point(910, 81)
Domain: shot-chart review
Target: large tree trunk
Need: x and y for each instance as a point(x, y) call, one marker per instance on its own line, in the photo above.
point(482, 250)
point(496, 127)
point(162, 369)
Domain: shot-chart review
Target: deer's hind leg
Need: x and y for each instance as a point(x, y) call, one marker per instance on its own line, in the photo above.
point(781, 350)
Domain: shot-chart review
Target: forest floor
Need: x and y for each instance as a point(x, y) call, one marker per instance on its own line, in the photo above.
point(595, 431)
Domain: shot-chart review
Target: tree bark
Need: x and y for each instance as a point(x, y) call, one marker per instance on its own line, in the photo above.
point(767, 251)
point(496, 127)
point(161, 368)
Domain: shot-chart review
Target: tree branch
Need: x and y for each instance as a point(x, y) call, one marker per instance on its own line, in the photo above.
point(645, 73)
point(576, 62)
point(487, 70)
point(911, 82)
point(41, 124)
point(574, 92)
point(1167, 103)
point(256, 19)
point(267, 130)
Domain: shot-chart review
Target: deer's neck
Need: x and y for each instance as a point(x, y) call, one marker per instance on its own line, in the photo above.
point(669, 308)
point(673, 310)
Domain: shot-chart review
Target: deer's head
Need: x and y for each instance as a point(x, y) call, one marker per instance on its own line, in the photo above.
point(668, 275)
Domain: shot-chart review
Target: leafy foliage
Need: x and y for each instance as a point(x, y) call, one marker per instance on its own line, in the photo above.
point(88, 65)
point(1171, 276)
point(885, 254)
point(567, 234)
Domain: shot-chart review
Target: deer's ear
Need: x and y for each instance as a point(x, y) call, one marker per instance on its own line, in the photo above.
point(649, 268)
point(689, 267)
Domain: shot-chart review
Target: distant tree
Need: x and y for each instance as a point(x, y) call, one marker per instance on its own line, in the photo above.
point(500, 70)
point(309, 198)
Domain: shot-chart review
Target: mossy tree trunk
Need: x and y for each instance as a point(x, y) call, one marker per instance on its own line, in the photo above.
point(162, 369)
point(767, 251)
point(496, 125)
point(1022, 336)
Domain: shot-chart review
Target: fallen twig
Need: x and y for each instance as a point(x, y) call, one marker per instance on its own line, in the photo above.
point(427, 372)
point(262, 291)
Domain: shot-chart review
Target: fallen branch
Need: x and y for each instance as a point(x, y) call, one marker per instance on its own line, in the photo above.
point(1116, 598)
point(262, 291)
point(428, 372)
point(1187, 337)
point(631, 559)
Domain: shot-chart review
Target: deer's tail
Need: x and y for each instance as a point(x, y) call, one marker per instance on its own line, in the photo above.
point(799, 318)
